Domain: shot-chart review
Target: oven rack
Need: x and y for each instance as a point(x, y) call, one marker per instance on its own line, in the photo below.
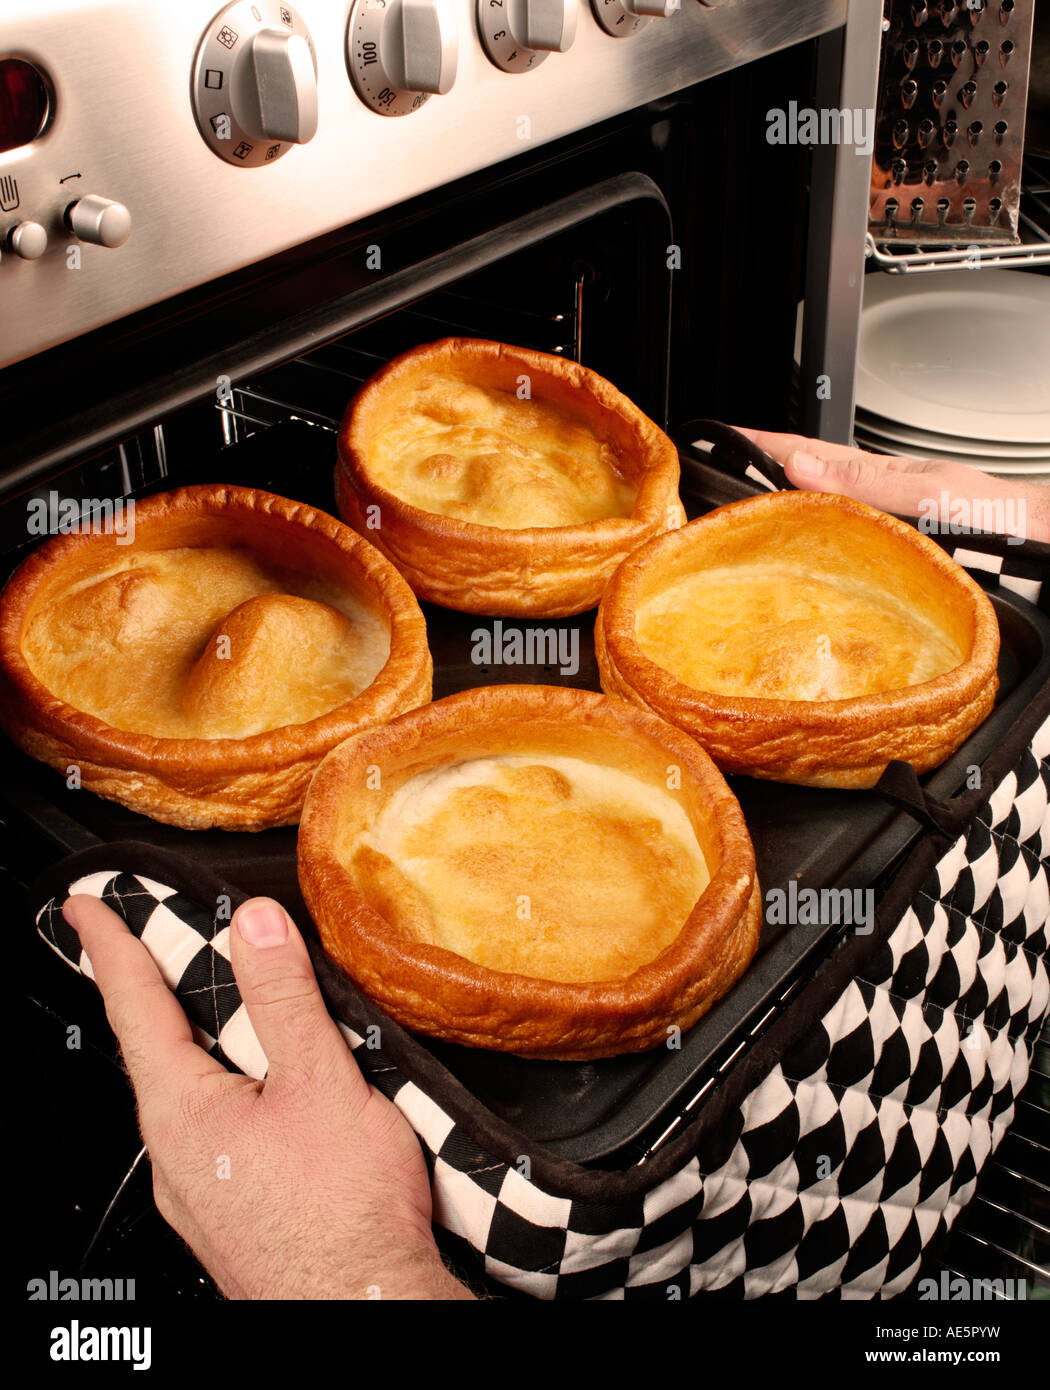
point(316, 388)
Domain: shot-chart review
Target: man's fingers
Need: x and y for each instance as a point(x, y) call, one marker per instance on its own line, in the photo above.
point(911, 487)
point(154, 1034)
point(891, 482)
point(782, 446)
point(868, 477)
point(280, 992)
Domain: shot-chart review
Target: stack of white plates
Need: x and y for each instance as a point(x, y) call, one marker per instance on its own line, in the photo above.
point(956, 365)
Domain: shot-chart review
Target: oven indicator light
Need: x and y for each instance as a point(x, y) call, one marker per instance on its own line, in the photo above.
point(25, 103)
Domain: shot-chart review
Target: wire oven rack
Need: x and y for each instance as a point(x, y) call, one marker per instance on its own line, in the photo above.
point(316, 388)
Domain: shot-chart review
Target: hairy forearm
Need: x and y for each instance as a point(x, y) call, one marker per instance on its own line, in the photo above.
point(1027, 504)
point(372, 1261)
point(422, 1277)
point(1037, 501)
point(311, 1255)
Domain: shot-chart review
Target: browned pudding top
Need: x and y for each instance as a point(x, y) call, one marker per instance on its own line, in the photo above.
point(212, 642)
point(767, 631)
point(545, 866)
point(485, 456)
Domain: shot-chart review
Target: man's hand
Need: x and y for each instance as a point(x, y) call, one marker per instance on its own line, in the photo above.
point(905, 486)
point(309, 1184)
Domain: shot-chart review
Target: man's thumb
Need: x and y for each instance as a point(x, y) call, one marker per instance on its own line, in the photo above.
point(280, 991)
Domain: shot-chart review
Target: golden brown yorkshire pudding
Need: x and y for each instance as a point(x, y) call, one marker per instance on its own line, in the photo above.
point(803, 637)
point(531, 869)
point(200, 673)
point(501, 480)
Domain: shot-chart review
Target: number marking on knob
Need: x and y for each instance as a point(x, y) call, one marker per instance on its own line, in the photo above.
point(518, 35)
point(399, 53)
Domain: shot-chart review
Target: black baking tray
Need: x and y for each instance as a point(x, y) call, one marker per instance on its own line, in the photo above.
point(606, 1112)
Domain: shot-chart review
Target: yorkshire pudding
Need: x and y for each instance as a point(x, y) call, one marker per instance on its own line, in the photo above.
point(803, 637)
point(501, 480)
point(531, 869)
point(200, 673)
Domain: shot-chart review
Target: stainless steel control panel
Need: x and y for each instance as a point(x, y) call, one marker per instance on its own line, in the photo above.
point(134, 191)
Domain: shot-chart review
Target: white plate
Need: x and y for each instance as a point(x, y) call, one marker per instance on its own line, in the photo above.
point(989, 463)
point(963, 352)
point(905, 435)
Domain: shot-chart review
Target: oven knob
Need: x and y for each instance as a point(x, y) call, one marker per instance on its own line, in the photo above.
point(255, 83)
point(622, 18)
point(518, 34)
point(28, 240)
point(99, 221)
point(399, 53)
point(283, 87)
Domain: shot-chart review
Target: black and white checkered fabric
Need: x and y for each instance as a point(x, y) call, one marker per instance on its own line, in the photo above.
point(1009, 570)
point(840, 1162)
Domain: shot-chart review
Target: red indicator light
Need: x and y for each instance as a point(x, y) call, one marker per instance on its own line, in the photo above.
point(24, 103)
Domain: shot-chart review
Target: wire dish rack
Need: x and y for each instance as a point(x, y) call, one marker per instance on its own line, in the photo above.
point(1033, 223)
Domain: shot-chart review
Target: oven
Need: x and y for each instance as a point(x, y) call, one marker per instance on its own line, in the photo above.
point(209, 243)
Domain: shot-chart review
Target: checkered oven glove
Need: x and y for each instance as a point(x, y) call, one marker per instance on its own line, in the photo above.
point(190, 945)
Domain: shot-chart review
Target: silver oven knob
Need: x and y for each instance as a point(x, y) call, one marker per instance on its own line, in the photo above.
point(255, 83)
point(622, 18)
point(99, 221)
point(652, 9)
point(28, 240)
point(281, 98)
point(518, 34)
point(399, 53)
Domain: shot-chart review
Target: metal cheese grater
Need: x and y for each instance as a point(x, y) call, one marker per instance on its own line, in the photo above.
point(950, 124)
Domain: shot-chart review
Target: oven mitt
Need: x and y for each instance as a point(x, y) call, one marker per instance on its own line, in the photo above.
point(846, 1138)
point(182, 916)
